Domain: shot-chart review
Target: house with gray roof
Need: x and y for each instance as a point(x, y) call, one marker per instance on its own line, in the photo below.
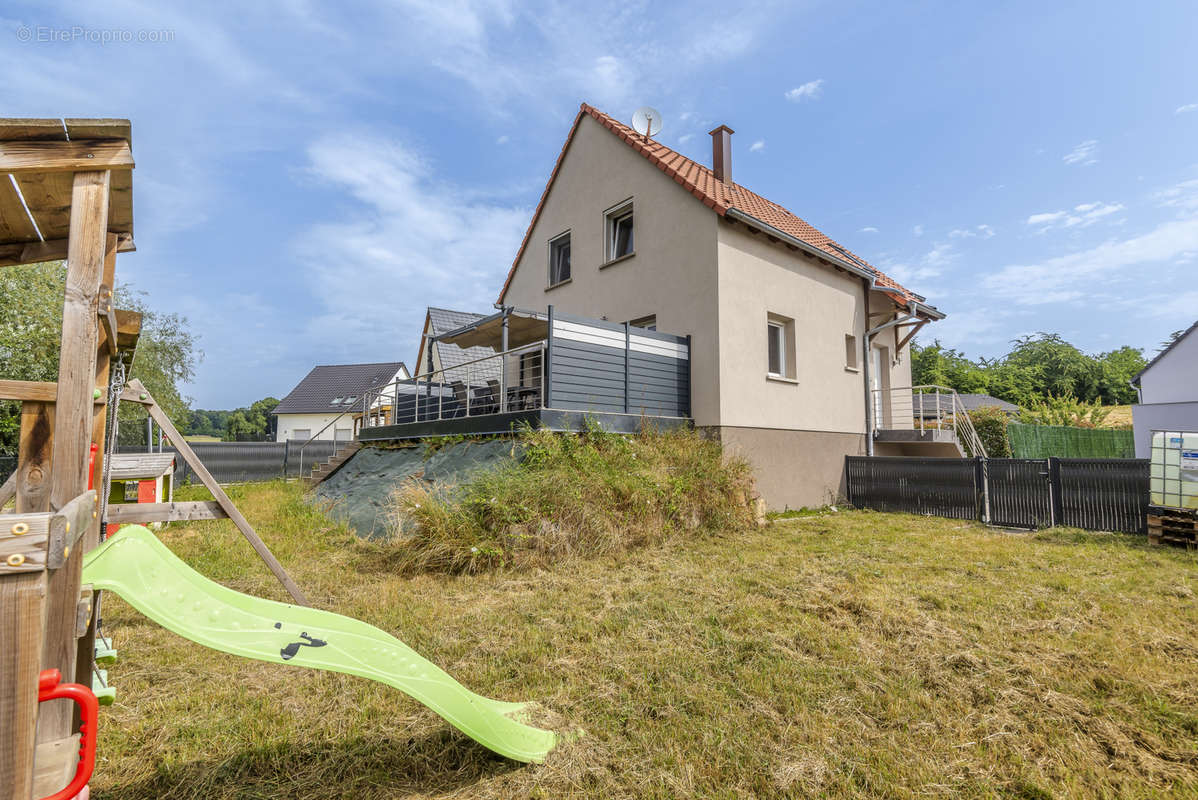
point(1168, 389)
point(448, 361)
point(328, 396)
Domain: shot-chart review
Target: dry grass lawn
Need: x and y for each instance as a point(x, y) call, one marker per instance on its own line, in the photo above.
point(839, 655)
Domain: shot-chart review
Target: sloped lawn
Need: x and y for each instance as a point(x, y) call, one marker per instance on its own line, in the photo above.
point(838, 655)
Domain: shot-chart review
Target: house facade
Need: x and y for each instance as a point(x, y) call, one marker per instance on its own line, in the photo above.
point(323, 404)
point(778, 314)
point(1168, 389)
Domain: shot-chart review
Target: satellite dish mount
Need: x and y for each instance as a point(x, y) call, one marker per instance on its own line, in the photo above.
point(646, 121)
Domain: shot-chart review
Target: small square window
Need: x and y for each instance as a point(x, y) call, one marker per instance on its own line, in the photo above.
point(619, 232)
point(559, 259)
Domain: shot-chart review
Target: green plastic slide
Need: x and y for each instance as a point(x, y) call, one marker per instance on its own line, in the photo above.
point(152, 579)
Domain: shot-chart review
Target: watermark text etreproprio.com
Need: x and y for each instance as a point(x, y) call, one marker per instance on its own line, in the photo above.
point(101, 36)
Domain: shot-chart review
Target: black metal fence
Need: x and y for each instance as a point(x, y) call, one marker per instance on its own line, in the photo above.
point(1108, 494)
point(241, 462)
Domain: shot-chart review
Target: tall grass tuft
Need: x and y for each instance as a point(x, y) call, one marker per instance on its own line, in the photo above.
point(580, 494)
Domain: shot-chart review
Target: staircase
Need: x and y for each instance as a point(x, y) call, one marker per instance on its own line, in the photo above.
point(924, 420)
point(333, 464)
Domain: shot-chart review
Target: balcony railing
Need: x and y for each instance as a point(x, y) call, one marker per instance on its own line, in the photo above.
point(925, 408)
point(505, 382)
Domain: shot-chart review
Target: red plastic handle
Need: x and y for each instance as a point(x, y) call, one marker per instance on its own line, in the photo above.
point(50, 687)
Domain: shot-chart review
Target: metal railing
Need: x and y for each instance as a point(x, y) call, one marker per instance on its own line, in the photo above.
point(513, 380)
point(925, 408)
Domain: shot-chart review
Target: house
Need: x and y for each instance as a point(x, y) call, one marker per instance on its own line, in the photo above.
point(1168, 389)
point(325, 402)
point(437, 357)
point(797, 349)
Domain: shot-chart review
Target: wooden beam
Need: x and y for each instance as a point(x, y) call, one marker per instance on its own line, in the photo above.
point(33, 457)
point(197, 466)
point(35, 391)
point(9, 490)
point(28, 157)
point(68, 525)
point(16, 254)
point(23, 540)
point(73, 420)
point(142, 513)
point(22, 607)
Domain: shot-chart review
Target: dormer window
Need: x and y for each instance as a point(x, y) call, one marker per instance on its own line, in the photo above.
point(618, 223)
point(337, 400)
point(349, 400)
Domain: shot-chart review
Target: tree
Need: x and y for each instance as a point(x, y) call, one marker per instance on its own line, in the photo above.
point(943, 366)
point(1118, 369)
point(30, 329)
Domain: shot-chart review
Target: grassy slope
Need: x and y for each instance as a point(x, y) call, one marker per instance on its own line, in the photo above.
point(849, 655)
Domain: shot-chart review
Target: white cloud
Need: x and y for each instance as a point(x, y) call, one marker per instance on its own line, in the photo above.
point(930, 265)
point(410, 230)
point(503, 139)
point(1075, 276)
point(1187, 108)
point(810, 90)
point(1083, 215)
point(868, 229)
point(757, 146)
point(1183, 195)
point(917, 230)
point(984, 231)
point(686, 137)
point(1085, 153)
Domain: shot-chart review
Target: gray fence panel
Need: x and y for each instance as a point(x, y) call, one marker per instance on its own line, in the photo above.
point(1105, 494)
point(942, 487)
point(242, 462)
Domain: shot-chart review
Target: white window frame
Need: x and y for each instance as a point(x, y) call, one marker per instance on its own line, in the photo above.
point(610, 218)
point(773, 328)
point(554, 243)
point(307, 434)
point(647, 322)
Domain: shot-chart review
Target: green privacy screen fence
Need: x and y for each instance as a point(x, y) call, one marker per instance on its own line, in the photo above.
point(1059, 441)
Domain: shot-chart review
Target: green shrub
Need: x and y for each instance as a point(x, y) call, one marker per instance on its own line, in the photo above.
point(1067, 411)
point(991, 425)
point(572, 494)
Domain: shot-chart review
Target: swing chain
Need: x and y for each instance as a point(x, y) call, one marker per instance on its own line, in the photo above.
point(116, 385)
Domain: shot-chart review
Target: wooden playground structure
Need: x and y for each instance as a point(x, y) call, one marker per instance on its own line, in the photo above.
point(66, 192)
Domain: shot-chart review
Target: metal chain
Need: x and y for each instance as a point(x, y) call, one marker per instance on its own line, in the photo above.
point(116, 385)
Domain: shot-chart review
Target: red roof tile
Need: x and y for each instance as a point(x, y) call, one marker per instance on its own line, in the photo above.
point(718, 195)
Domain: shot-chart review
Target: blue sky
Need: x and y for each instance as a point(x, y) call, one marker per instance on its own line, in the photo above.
point(311, 176)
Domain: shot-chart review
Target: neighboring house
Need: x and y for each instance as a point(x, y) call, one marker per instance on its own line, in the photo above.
point(1168, 392)
point(328, 392)
point(445, 360)
point(779, 315)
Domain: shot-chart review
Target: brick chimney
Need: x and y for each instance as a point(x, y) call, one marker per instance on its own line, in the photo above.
point(721, 153)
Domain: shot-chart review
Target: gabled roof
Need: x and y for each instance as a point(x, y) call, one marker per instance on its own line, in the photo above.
point(316, 392)
point(720, 196)
point(1136, 380)
point(439, 321)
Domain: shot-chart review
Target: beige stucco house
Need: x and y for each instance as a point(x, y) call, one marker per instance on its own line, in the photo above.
point(789, 330)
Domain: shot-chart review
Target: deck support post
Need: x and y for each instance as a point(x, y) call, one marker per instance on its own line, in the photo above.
point(627, 359)
point(547, 361)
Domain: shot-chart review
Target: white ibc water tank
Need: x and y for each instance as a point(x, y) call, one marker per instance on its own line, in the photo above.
point(1174, 469)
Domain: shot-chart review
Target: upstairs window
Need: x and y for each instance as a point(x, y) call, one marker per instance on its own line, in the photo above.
point(777, 348)
point(619, 232)
point(649, 322)
point(559, 259)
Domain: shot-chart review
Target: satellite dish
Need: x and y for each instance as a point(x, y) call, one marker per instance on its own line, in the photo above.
point(646, 121)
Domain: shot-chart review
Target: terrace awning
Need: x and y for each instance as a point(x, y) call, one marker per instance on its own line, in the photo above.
point(524, 327)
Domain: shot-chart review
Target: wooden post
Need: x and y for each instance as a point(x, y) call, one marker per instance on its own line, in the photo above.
point(85, 647)
point(22, 597)
point(197, 466)
point(73, 424)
